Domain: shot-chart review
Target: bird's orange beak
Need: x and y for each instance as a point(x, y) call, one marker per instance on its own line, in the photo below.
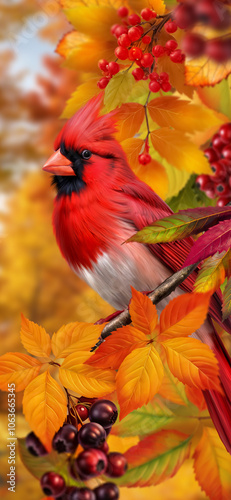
point(58, 165)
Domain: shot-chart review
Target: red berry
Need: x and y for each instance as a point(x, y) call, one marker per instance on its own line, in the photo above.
point(114, 27)
point(176, 56)
point(218, 142)
point(226, 152)
point(212, 154)
point(135, 53)
point(91, 463)
point(104, 447)
point(134, 19)
point(170, 27)
point(53, 484)
point(124, 40)
point(193, 44)
point(215, 49)
point(82, 410)
point(210, 191)
point(91, 435)
point(120, 30)
point(146, 39)
point(164, 77)
point(210, 12)
point(107, 491)
point(113, 68)
point(154, 76)
point(171, 45)
point(166, 86)
point(102, 83)
point(148, 14)
point(102, 64)
point(138, 74)
point(144, 158)
point(202, 181)
point(147, 60)
point(66, 439)
point(117, 465)
point(34, 445)
point(219, 170)
point(158, 50)
point(222, 188)
point(185, 16)
point(122, 12)
point(104, 412)
point(225, 132)
point(222, 201)
point(154, 86)
point(134, 33)
point(121, 53)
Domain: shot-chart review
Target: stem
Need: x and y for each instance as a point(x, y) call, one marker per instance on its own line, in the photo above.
point(160, 293)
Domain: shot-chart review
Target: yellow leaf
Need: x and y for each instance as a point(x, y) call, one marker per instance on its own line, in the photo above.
point(80, 97)
point(118, 90)
point(128, 119)
point(172, 389)
point(176, 74)
point(153, 174)
point(95, 49)
point(19, 369)
point(132, 149)
point(75, 336)
point(184, 314)
point(143, 312)
point(35, 339)
point(170, 111)
point(203, 71)
point(84, 379)
point(212, 465)
point(211, 274)
point(44, 407)
point(192, 362)
point(179, 151)
point(157, 5)
point(95, 21)
point(138, 379)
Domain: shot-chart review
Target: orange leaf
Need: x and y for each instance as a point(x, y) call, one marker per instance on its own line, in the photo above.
point(129, 119)
point(172, 389)
point(143, 312)
point(45, 407)
point(138, 379)
point(35, 339)
point(132, 149)
point(184, 314)
point(75, 336)
point(154, 174)
point(196, 397)
point(19, 369)
point(204, 71)
point(176, 74)
point(192, 362)
point(84, 379)
point(157, 5)
point(116, 347)
point(212, 465)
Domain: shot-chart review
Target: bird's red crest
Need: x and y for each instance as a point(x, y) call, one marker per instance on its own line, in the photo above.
point(87, 129)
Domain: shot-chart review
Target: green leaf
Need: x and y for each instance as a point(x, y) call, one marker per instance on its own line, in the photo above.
point(181, 225)
point(53, 461)
point(226, 308)
point(212, 273)
point(156, 458)
point(118, 90)
point(147, 419)
point(190, 196)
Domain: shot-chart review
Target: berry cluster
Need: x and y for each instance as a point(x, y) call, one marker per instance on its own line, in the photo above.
point(93, 461)
point(136, 37)
point(210, 13)
point(219, 156)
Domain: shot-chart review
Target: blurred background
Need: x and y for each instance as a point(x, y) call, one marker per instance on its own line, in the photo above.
point(34, 279)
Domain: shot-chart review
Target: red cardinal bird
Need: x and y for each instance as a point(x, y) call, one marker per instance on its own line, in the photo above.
point(100, 203)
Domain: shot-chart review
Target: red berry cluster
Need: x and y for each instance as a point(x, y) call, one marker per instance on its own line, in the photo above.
point(219, 156)
point(94, 460)
point(207, 12)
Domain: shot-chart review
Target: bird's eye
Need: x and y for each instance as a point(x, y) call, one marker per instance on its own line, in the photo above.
point(86, 154)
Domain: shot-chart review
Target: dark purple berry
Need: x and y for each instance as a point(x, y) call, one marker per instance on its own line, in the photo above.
point(107, 491)
point(104, 447)
point(53, 484)
point(34, 445)
point(91, 435)
point(82, 494)
point(91, 463)
point(117, 464)
point(104, 412)
point(66, 439)
point(108, 430)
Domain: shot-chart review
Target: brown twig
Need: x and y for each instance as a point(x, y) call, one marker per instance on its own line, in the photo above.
point(162, 291)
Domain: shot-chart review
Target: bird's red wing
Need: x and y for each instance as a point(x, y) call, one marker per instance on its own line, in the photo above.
point(143, 207)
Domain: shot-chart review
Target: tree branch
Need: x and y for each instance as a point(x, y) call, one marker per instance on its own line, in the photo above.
point(162, 291)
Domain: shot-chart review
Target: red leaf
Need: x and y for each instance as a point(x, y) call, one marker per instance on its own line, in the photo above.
point(216, 239)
